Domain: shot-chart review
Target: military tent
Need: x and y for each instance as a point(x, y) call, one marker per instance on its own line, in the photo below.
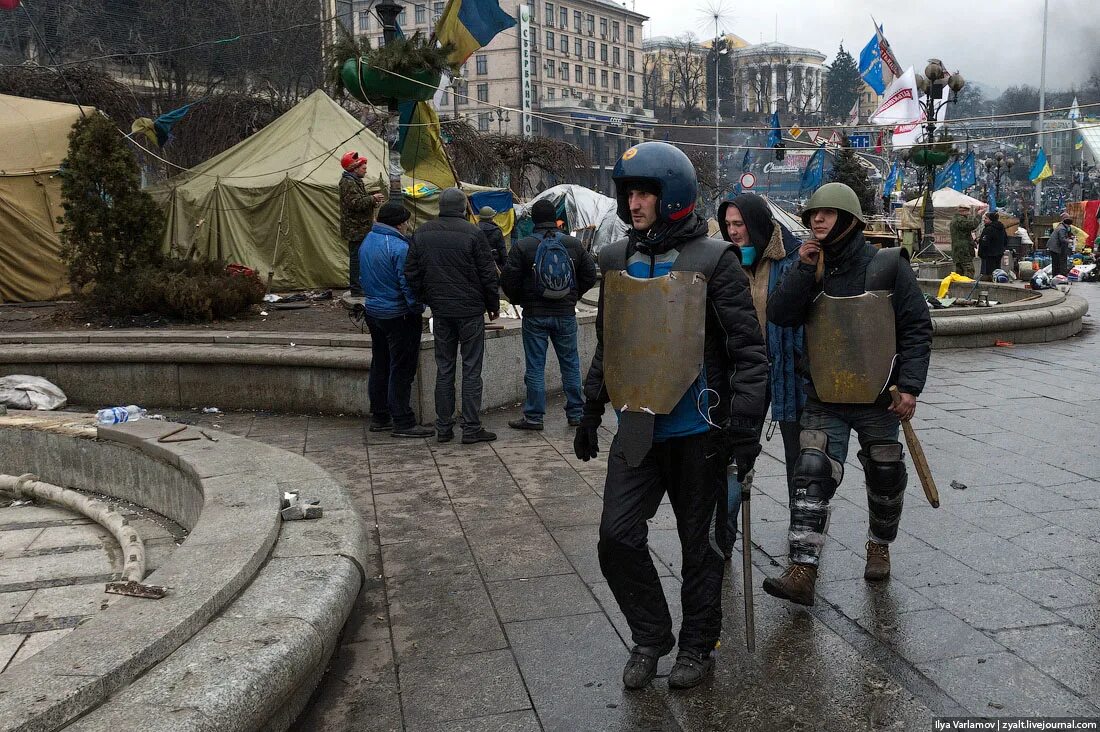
point(271, 202)
point(36, 140)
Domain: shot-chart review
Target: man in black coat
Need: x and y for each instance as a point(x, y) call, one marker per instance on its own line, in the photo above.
point(493, 234)
point(450, 269)
point(683, 452)
point(548, 319)
point(834, 407)
point(991, 245)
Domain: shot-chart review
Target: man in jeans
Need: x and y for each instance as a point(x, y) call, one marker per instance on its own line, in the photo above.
point(451, 270)
point(393, 316)
point(548, 319)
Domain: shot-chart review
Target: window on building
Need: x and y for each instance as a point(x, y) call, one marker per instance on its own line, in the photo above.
point(603, 52)
point(549, 93)
point(563, 17)
point(616, 81)
point(578, 46)
point(603, 78)
point(630, 84)
point(444, 99)
point(402, 17)
point(421, 14)
point(630, 34)
point(603, 100)
point(364, 20)
point(564, 71)
point(629, 60)
point(563, 44)
point(615, 31)
point(549, 14)
point(592, 76)
point(590, 22)
point(551, 43)
point(481, 62)
point(550, 69)
point(437, 7)
point(483, 92)
point(592, 49)
point(578, 73)
point(577, 20)
point(483, 122)
point(616, 59)
point(603, 27)
point(461, 96)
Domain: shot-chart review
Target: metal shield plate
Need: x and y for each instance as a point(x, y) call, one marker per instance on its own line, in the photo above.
point(652, 338)
point(851, 345)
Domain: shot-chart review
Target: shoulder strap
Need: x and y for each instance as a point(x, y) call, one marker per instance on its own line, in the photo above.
point(613, 256)
point(882, 272)
point(701, 255)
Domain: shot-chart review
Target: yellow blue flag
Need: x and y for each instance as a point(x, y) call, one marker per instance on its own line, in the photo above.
point(1041, 169)
point(469, 25)
point(422, 154)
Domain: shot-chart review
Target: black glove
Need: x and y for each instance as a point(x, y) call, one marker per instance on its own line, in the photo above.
point(745, 448)
point(586, 443)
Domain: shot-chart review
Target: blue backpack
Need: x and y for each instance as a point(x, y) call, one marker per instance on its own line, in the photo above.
point(554, 275)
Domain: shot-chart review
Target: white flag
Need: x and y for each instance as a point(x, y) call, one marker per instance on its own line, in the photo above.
point(853, 116)
point(1074, 110)
point(900, 102)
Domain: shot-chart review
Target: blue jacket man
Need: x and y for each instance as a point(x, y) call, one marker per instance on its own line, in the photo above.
point(393, 317)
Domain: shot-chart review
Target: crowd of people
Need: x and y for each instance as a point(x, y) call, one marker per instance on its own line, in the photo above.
point(986, 235)
point(697, 338)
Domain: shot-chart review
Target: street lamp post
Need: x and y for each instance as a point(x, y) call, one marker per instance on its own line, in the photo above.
point(457, 87)
point(931, 85)
point(502, 117)
point(387, 12)
point(718, 54)
point(994, 167)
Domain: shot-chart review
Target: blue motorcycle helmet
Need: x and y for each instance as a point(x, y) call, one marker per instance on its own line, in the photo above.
point(663, 169)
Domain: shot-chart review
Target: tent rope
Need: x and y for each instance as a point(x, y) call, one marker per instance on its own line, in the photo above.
point(279, 232)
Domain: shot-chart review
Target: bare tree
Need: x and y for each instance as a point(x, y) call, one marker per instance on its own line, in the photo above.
point(805, 96)
point(688, 73)
point(760, 82)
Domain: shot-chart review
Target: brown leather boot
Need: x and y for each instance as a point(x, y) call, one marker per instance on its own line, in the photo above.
point(795, 584)
point(878, 562)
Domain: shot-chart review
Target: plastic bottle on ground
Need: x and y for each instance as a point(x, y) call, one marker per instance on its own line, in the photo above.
point(114, 415)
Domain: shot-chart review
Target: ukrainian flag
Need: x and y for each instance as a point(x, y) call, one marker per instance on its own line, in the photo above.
point(422, 154)
point(469, 25)
point(1079, 142)
point(1041, 169)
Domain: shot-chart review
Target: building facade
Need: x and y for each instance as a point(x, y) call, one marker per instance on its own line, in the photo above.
point(583, 81)
point(775, 77)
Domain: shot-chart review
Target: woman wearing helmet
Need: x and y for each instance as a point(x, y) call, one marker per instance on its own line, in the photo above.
point(682, 448)
point(849, 296)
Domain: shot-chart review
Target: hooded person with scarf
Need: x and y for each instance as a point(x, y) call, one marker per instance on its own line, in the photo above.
point(835, 263)
point(685, 451)
point(768, 251)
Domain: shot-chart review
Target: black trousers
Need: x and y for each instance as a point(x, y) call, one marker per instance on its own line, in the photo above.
point(353, 267)
point(688, 469)
point(395, 352)
point(1059, 264)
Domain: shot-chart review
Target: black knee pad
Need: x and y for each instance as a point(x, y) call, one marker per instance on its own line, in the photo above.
point(816, 475)
point(883, 467)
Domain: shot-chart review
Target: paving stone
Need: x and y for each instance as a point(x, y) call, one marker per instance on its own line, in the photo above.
point(440, 689)
point(1052, 588)
point(486, 477)
point(445, 615)
point(857, 598)
point(524, 721)
point(1064, 652)
point(63, 602)
point(367, 690)
point(1083, 616)
point(15, 541)
point(541, 597)
point(989, 606)
point(411, 558)
point(1003, 685)
point(36, 642)
point(927, 635)
point(512, 549)
point(473, 508)
point(9, 646)
point(931, 568)
point(52, 566)
point(573, 511)
point(12, 603)
point(65, 536)
point(1054, 541)
point(415, 514)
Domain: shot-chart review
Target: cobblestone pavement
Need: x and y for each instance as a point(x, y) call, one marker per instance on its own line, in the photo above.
point(485, 608)
point(53, 566)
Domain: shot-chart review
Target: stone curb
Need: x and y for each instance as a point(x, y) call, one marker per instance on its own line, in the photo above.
point(278, 594)
point(1071, 308)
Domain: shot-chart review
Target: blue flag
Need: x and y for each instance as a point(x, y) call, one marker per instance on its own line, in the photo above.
point(968, 174)
point(746, 162)
point(891, 181)
point(163, 124)
point(870, 65)
point(948, 175)
point(774, 135)
point(992, 196)
point(813, 174)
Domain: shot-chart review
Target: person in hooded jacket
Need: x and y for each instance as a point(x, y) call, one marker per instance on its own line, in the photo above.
point(450, 269)
point(493, 234)
point(991, 244)
point(684, 453)
point(836, 219)
point(768, 251)
point(1061, 245)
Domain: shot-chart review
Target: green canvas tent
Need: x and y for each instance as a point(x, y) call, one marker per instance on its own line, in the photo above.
point(271, 202)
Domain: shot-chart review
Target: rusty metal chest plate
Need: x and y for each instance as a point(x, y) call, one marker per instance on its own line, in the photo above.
point(851, 345)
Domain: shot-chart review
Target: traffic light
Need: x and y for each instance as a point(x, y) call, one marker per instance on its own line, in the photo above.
point(780, 150)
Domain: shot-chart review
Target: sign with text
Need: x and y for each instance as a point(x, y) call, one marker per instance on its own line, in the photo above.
point(525, 69)
point(860, 140)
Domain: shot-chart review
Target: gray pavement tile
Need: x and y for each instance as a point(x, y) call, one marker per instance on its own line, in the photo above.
point(1003, 685)
point(1052, 588)
point(570, 511)
point(930, 568)
point(13, 515)
point(281, 424)
point(36, 642)
point(9, 646)
point(401, 458)
point(16, 540)
point(317, 441)
point(989, 554)
point(1065, 652)
point(1083, 616)
point(294, 442)
point(551, 478)
point(55, 566)
point(927, 635)
point(415, 515)
point(367, 692)
point(983, 511)
point(524, 721)
point(1009, 527)
point(1083, 566)
point(426, 478)
point(590, 695)
point(513, 549)
point(66, 536)
point(839, 563)
point(857, 598)
point(541, 597)
point(1083, 521)
point(12, 603)
point(486, 477)
point(579, 545)
point(442, 615)
point(439, 689)
point(501, 505)
point(989, 606)
point(411, 558)
point(66, 602)
point(1055, 541)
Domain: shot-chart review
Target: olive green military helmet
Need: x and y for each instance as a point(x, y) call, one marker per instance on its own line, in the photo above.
point(834, 195)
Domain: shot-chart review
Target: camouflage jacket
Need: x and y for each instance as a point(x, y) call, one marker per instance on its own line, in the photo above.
point(961, 227)
point(356, 208)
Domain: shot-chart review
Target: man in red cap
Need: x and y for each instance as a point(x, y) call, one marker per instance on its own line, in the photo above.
point(356, 212)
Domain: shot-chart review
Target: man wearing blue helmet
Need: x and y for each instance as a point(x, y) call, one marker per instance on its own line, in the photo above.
point(680, 357)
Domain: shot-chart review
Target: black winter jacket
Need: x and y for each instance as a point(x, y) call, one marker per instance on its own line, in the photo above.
point(519, 280)
point(845, 275)
point(733, 353)
point(449, 266)
point(993, 241)
point(495, 238)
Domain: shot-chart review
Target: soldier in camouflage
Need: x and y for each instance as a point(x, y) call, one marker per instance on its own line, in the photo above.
point(357, 208)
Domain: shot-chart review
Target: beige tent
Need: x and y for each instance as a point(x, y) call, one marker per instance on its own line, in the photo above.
point(35, 138)
point(271, 201)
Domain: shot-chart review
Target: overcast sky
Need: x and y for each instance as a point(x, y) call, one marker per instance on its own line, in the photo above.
point(996, 42)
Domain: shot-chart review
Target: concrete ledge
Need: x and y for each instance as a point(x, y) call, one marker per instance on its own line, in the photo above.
point(256, 606)
point(1056, 319)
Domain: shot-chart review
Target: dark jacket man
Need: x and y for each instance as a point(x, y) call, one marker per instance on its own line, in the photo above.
point(449, 266)
point(519, 279)
point(493, 234)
